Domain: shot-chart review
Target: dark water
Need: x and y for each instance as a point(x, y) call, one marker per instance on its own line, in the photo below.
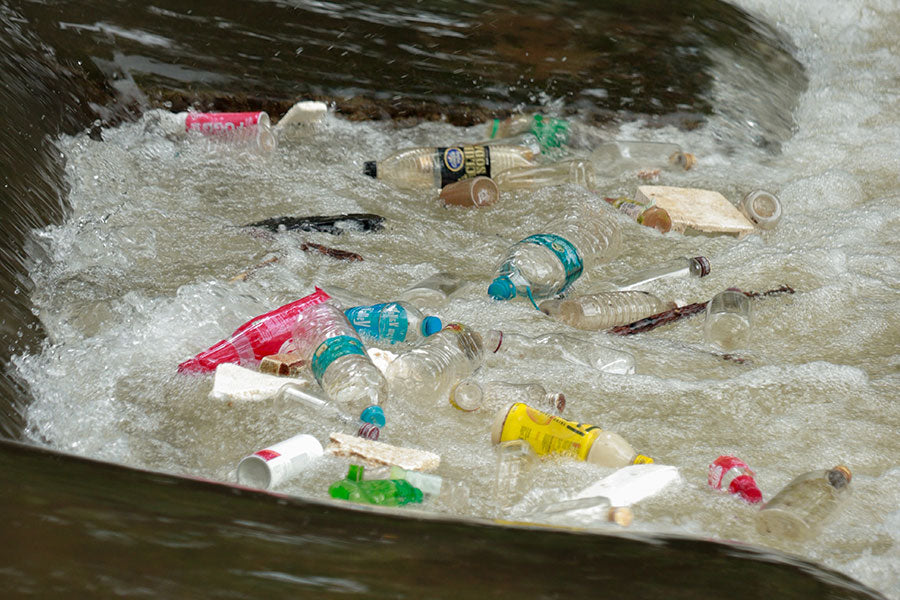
point(74, 527)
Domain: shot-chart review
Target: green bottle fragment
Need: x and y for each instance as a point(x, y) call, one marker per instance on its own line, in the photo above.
point(382, 492)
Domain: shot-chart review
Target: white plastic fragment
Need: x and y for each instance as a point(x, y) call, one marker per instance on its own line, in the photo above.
point(234, 382)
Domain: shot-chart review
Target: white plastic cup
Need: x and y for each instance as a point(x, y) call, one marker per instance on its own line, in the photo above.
point(271, 466)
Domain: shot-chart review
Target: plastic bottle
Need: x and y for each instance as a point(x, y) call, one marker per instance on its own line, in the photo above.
point(434, 290)
point(258, 337)
point(761, 207)
point(731, 474)
point(572, 171)
point(429, 483)
point(392, 322)
point(383, 492)
point(620, 515)
point(515, 458)
point(252, 127)
point(647, 215)
point(604, 309)
point(549, 132)
point(424, 167)
point(435, 364)
point(677, 268)
point(468, 395)
point(550, 346)
point(337, 357)
point(548, 434)
point(643, 159)
point(545, 264)
point(367, 425)
point(798, 511)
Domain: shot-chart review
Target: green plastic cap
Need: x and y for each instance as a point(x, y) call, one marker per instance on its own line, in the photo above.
point(502, 288)
point(430, 325)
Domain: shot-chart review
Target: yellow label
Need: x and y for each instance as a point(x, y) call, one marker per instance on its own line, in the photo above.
point(642, 459)
point(547, 434)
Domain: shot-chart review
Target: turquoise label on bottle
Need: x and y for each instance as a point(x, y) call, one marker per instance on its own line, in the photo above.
point(331, 350)
point(464, 162)
point(551, 133)
point(388, 321)
point(564, 251)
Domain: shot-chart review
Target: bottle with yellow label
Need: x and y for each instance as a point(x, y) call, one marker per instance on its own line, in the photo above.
point(548, 434)
point(424, 167)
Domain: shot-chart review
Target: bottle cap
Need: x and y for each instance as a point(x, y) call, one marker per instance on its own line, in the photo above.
point(373, 414)
point(368, 431)
point(502, 288)
point(370, 168)
point(431, 325)
point(621, 515)
point(745, 487)
point(478, 191)
point(843, 471)
point(704, 265)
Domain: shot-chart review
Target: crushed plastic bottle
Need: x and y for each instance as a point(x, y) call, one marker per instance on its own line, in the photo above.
point(338, 358)
point(545, 264)
point(429, 483)
point(550, 346)
point(392, 322)
point(430, 369)
point(801, 508)
point(548, 434)
point(571, 171)
point(603, 310)
point(620, 515)
point(731, 474)
point(259, 337)
point(469, 395)
point(382, 492)
point(424, 167)
point(682, 267)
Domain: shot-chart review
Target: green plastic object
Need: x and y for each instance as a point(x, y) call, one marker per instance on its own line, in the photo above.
point(382, 492)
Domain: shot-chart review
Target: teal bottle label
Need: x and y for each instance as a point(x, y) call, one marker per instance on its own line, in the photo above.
point(388, 321)
point(463, 162)
point(551, 133)
point(564, 251)
point(331, 350)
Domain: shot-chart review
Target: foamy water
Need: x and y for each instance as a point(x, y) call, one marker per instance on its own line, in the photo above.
point(138, 279)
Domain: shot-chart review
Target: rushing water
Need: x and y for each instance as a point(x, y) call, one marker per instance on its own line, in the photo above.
point(138, 277)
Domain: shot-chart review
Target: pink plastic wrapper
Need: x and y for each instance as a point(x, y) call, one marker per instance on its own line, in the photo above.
point(258, 337)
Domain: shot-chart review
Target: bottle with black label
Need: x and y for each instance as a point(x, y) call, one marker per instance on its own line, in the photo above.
point(424, 167)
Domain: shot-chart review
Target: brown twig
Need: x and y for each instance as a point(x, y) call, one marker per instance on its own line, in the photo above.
point(332, 252)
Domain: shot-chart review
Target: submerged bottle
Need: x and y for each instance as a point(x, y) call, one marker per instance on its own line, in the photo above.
point(259, 337)
point(642, 159)
point(367, 425)
point(572, 171)
point(682, 267)
point(434, 290)
point(382, 492)
point(248, 127)
point(548, 434)
point(468, 395)
point(798, 511)
point(551, 346)
point(732, 475)
point(515, 459)
point(545, 264)
point(338, 358)
point(604, 309)
point(550, 133)
point(620, 515)
point(435, 364)
point(728, 319)
point(429, 483)
point(761, 207)
point(424, 167)
point(647, 215)
point(392, 322)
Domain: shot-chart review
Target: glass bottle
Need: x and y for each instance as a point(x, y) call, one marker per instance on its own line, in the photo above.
point(550, 346)
point(799, 510)
point(468, 395)
point(682, 267)
point(604, 309)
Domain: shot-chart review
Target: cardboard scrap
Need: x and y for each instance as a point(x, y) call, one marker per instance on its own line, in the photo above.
point(372, 453)
point(692, 208)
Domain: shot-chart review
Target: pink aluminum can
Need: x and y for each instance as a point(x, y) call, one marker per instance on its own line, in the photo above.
point(241, 125)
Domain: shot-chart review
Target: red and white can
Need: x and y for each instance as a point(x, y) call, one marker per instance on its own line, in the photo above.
point(270, 466)
point(254, 126)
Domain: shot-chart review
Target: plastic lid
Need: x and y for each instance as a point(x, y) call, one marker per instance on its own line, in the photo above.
point(704, 265)
point(373, 414)
point(502, 288)
point(430, 325)
point(370, 168)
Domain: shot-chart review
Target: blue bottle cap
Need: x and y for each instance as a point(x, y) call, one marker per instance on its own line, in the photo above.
point(502, 288)
point(431, 324)
point(374, 415)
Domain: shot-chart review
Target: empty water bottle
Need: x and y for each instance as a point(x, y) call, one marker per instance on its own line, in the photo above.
point(392, 322)
point(545, 264)
point(367, 424)
point(570, 509)
point(429, 483)
point(552, 346)
point(436, 363)
point(424, 167)
point(515, 458)
point(604, 309)
point(642, 159)
point(549, 132)
point(572, 171)
point(383, 492)
point(434, 290)
point(728, 319)
point(337, 357)
point(677, 268)
point(761, 207)
point(647, 215)
point(799, 510)
point(469, 395)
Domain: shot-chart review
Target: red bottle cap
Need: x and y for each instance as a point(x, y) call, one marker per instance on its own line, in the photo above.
point(745, 487)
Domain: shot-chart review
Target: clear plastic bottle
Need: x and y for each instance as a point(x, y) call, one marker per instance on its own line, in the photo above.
point(572, 171)
point(367, 425)
point(620, 515)
point(253, 128)
point(682, 267)
point(604, 309)
point(550, 346)
point(338, 359)
point(550, 132)
point(429, 483)
point(431, 368)
point(729, 319)
point(798, 511)
point(761, 207)
point(642, 159)
point(647, 215)
point(515, 458)
point(392, 322)
point(469, 395)
point(433, 291)
point(425, 167)
point(382, 492)
point(545, 264)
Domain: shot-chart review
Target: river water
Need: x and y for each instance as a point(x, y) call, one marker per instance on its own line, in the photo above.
point(137, 276)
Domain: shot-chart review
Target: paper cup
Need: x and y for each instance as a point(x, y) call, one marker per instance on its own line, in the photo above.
point(271, 466)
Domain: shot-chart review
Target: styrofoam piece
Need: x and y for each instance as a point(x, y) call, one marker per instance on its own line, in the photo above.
point(372, 453)
point(632, 484)
point(692, 208)
point(305, 112)
point(234, 382)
